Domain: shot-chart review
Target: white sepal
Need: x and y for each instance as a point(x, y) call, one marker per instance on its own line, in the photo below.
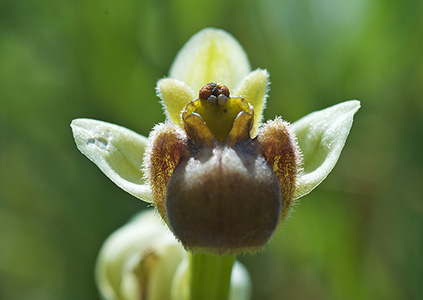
point(211, 55)
point(118, 152)
point(321, 136)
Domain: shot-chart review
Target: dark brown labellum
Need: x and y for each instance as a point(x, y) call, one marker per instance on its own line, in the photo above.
point(224, 200)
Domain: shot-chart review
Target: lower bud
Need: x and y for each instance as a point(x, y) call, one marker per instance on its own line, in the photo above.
point(224, 200)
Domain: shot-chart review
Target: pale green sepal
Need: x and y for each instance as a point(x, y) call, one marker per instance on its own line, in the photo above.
point(137, 260)
point(321, 136)
point(253, 88)
point(211, 55)
point(175, 95)
point(117, 152)
point(240, 286)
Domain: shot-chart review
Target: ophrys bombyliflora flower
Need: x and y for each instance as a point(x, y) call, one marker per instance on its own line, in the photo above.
point(222, 180)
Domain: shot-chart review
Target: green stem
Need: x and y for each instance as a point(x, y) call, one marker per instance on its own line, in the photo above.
point(210, 276)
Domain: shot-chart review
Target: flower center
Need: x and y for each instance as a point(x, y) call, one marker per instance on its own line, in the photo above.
point(217, 109)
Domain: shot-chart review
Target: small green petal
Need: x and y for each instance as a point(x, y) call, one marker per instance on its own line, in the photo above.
point(253, 89)
point(321, 137)
point(117, 152)
point(175, 95)
point(211, 55)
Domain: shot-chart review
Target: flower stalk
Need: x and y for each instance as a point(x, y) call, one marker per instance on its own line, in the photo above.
point(210, 275)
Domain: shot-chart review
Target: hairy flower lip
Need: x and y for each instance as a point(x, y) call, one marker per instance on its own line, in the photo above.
point(210, 196)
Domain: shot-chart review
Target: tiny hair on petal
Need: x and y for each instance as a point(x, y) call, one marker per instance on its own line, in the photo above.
point(279, 145)
point(168, 143)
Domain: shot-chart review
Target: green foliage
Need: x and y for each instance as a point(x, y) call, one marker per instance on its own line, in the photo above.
point(358, 236)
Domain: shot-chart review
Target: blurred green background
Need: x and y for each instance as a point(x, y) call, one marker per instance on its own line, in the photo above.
point(358, 236)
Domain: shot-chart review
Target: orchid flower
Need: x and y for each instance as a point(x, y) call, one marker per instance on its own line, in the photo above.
point(221, 179)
